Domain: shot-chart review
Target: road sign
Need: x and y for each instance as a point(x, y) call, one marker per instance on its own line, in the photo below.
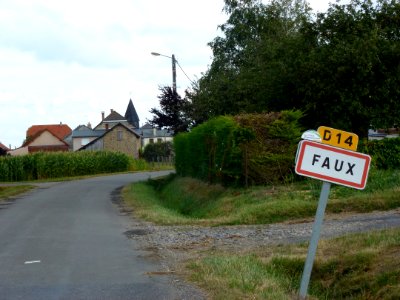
point(338, 138)
point(332, 164)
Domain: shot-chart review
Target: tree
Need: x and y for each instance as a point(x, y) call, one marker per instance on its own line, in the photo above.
point(173, 112)
point(341, 67)
point(351, 78)
point(252, 62)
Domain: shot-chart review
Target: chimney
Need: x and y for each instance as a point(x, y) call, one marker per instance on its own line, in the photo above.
point(102, 115)
point(111, 110)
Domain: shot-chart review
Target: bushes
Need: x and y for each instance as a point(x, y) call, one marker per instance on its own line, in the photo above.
point(385, 153)
point(246, 149)
point(208, 152)
point(61, 164)
point(154, 152)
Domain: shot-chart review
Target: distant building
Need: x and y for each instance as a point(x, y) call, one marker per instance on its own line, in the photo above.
point(118, 138)
point(380, 134)
point(151, 135)
point(83, 135)
point(98, 138)
point(44, 138)
point(131, 115)
point(3, 150)
point(58, 130)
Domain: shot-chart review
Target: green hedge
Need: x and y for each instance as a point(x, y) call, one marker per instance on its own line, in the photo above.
point(153, 152)
point(385, 153)
point(246, 149)
point(61, 164)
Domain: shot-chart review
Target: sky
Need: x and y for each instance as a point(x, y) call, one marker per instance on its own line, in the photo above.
point(68, 61)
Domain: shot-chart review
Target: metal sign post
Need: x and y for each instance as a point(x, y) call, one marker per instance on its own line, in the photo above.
point(327, 155)
point(316, 231)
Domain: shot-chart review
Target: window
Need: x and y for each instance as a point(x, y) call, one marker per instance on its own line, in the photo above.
point(119, 135)
point(159, 140)
point(151, 141)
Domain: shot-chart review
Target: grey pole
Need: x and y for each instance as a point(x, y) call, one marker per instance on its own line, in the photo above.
point(173, 73)
point(316, 230)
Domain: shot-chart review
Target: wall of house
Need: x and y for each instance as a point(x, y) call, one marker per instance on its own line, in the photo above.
point(46, 139)
point(19, 151)
point(81, 141)
point(123, 140)
point(96, 146)
point(156, 139)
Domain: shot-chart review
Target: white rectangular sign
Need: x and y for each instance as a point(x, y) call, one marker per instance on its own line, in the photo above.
point(332, 164)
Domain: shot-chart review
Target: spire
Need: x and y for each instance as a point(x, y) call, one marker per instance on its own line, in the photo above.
point(131, 115)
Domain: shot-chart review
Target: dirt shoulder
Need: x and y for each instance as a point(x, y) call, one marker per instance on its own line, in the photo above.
point(174, 245)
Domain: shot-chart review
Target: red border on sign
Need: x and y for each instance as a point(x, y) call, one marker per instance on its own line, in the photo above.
point(300, 171)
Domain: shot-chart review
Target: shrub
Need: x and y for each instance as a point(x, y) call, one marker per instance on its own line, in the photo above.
point(154, 152)
point(385, 153)
point(246, 149)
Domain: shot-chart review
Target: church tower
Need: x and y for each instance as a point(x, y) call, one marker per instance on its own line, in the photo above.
point(131, 115)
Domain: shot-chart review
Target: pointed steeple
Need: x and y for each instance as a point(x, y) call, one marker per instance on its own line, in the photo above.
point(131, 116)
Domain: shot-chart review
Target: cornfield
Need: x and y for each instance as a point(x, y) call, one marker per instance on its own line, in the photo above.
point(61, 164)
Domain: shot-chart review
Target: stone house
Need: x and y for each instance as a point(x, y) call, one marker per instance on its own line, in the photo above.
point(118, 138)
point(85, 138)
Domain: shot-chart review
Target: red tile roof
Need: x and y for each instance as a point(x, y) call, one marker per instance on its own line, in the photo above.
point(59, 130)
point(3, 147)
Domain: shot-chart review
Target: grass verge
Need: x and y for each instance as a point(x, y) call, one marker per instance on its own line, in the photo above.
point(361, 266)
point(13, 190)
point(174, 200)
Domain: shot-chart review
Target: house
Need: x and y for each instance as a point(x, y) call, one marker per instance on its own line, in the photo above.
point(46, 138)
point(151, 135)
point(380, 134)
point(83, 135)
point(3, 150)
point(117, 138)
point(85, 138)
point(130, 120)
point(59, 130)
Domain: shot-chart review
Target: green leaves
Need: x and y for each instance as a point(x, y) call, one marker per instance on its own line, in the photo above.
point(173, 113)
point(341, 67)
point(242, 150)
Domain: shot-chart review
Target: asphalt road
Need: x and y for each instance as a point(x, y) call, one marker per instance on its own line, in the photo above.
point(66, 241)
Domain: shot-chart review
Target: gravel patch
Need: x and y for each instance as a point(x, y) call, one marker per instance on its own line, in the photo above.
point(245, 236)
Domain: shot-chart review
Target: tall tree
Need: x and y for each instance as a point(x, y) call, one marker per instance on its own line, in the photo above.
point(341, 67)
point(252, 59)
point(173, 112)
point(352, 78)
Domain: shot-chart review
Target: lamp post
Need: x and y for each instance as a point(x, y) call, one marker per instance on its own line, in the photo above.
point(173, 68)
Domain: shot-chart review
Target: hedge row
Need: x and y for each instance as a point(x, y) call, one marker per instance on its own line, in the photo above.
point(385, 153)
point(243, 150)
point(61, 164)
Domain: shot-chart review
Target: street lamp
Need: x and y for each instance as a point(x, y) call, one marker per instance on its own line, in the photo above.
point(173, 68)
